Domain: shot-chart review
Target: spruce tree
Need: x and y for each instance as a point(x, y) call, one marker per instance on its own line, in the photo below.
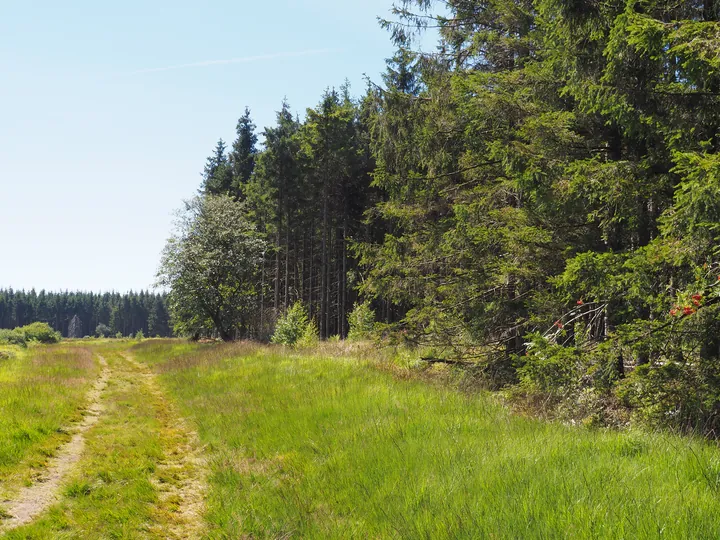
point(217, 175)
point(242, 156)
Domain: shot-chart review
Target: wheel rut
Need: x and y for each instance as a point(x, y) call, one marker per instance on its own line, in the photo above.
point(181, 476)
point(33, 500)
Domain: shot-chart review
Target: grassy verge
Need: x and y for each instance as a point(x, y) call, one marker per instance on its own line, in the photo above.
point(42, 390)
point(111, 495)
point(315, 447)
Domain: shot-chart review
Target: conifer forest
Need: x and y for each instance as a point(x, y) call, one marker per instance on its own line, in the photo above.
point(536, 199)
point(100, 315)
point(475, 296)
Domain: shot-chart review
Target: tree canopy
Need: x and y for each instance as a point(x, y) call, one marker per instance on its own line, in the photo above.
point(537, 197)
point(211, 265)
point(123, 314)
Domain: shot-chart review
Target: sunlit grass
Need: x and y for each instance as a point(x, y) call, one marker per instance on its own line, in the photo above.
point(111, 494)
point(42, 391)
point(316, 447)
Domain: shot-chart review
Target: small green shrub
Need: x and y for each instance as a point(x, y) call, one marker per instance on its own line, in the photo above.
point(118, 335)
point(37, 332)
point(311, 335)
point(361, 321)
point(550, 369)
point(139, 335)
point(293, 326)
point(103, 331)
point(13, 337)
point(41, 332)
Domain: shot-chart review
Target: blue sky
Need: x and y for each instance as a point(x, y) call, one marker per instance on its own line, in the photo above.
point(99, 142)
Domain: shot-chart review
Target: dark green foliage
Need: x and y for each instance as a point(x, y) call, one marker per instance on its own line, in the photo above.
point(123, 313)
point(217, 176)
point(552, 174)
point(40, 332)
point(242, 156)
point(35, 332)
point(103, 330)
point(307, 196)
point(538, 197)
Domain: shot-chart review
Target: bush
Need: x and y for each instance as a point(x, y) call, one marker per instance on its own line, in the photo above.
point(677, 394)
point(293, 326)
point(103, 331)
point(118, 335)
point(139, 335)
point(311, 335)
point(41, 332)
point(550, 369)
point(13, 337)
point(361, 321)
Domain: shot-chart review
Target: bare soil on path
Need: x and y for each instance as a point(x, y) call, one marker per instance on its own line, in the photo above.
point(179, 476)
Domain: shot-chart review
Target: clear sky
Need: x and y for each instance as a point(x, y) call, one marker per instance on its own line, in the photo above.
point(108, 111)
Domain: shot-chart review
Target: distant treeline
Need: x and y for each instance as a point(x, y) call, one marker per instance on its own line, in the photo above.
point(124, 314)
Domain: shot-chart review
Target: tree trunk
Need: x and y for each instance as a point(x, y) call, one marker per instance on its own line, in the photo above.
point(261, 329)
point(323, 271)
point(276, 303)
point(286, 298)
point(343, 303)
point(310, 271)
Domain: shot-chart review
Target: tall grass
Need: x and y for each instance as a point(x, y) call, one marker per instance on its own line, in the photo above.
point(316, 447)
point(111, 494)
point(42, 390)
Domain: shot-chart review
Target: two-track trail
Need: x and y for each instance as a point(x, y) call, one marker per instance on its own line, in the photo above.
point(38, 497)
point(180, 477)
point(132, 448)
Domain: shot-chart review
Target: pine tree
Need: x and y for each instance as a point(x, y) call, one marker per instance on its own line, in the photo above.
point(243, 154)
point(276, 190)
point(217, 176)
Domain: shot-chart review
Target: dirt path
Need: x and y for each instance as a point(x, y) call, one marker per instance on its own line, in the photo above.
point(181, 476)
point(35, 499)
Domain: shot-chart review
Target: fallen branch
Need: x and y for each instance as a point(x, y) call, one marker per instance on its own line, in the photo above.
point(448, 361)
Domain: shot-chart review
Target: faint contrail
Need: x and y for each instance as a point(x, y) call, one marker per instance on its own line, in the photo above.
point(243, 60)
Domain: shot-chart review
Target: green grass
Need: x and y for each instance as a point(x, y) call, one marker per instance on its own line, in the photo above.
point(327, 448)
point(111, 495)
point(314, 447)
point(42, 390)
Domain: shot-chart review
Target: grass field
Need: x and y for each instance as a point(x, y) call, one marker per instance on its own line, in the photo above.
point(314, 447)
point(42, 390)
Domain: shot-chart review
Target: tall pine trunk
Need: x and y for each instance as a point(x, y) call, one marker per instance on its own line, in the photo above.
point(286, 298)
point(323, 271)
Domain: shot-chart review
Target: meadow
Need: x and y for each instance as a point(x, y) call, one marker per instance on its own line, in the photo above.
point(308, 446)
point(315, 445)
point(42, 390)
